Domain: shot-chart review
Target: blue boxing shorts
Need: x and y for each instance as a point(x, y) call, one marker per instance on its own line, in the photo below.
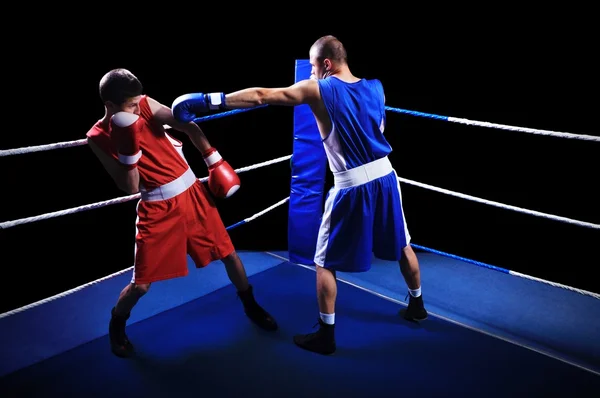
point(363, 216)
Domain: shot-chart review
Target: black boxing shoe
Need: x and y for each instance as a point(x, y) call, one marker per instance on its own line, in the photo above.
point(119, 342)
point(321, 342)
point(255, 312)
point(415, 311)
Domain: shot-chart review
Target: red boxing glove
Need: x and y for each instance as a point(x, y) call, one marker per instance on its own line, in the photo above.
point(125, 131)
point(222, 179)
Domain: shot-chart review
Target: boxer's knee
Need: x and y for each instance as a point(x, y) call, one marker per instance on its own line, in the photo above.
point(232, 261)
point(231, 257)
point(408, 254)
point(140, 289)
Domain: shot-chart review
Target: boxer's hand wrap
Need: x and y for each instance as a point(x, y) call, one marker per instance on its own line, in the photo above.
point(222, 179)
point(186, 107)
point(125, 132)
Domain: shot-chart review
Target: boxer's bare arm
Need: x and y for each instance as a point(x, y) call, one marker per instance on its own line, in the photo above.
point(164, 115)
point(127, 180)
point(303, 92)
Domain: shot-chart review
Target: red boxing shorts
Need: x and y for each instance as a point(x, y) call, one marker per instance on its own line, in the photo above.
point(170, 229)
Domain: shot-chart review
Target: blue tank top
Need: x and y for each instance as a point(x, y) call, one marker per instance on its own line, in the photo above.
point(357, 112)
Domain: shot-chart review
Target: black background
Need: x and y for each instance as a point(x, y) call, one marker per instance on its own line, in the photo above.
point(538, 77)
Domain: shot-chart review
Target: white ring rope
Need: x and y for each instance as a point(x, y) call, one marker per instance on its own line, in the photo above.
point(63, 294)
point(501, 205)
point(573, 289)
point(550, 133)
point(71, 291)
point(9, 224)
point(48, 147)
point(39, 148)
point(122, 199)
point(585, 137)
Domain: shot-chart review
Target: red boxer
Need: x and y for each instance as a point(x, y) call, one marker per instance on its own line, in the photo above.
point(176, 215)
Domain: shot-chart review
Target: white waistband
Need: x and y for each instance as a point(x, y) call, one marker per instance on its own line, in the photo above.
point(171, 189)
point(363, 174)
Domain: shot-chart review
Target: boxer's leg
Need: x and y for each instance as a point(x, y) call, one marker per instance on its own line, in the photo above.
point(129, 297)
point(392, 242)
point(344, 244)
point(160, 253)
point(236, 272)
point(121, 346)
point(209, 240)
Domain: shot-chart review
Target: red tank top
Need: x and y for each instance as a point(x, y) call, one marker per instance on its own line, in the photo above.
point(162, 158)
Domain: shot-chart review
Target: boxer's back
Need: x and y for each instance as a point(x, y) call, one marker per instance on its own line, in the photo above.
point(357, 112)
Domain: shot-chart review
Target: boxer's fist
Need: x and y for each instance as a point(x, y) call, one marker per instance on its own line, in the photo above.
point(125, 129)
point(186, 107)
point(222, 179)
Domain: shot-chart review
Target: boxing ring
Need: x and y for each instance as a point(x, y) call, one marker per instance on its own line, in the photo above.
point(192, 338)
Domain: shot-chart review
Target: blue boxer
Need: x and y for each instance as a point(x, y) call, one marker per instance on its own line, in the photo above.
point(363, 213)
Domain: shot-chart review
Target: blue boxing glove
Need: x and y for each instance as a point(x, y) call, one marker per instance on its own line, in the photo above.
point(185, 107)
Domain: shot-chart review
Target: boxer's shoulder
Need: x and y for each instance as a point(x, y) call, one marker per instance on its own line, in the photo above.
point(97, 130)
point(99, 137)
point(145, 109)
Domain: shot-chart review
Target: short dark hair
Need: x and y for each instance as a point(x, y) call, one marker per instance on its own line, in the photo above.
point(330, 47)
point(118, 85)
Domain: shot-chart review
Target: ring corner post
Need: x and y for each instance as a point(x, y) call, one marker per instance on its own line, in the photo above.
point(308, 167)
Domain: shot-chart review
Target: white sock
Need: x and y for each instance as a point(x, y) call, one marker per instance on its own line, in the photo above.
point(415, 292)
point(328, 319)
